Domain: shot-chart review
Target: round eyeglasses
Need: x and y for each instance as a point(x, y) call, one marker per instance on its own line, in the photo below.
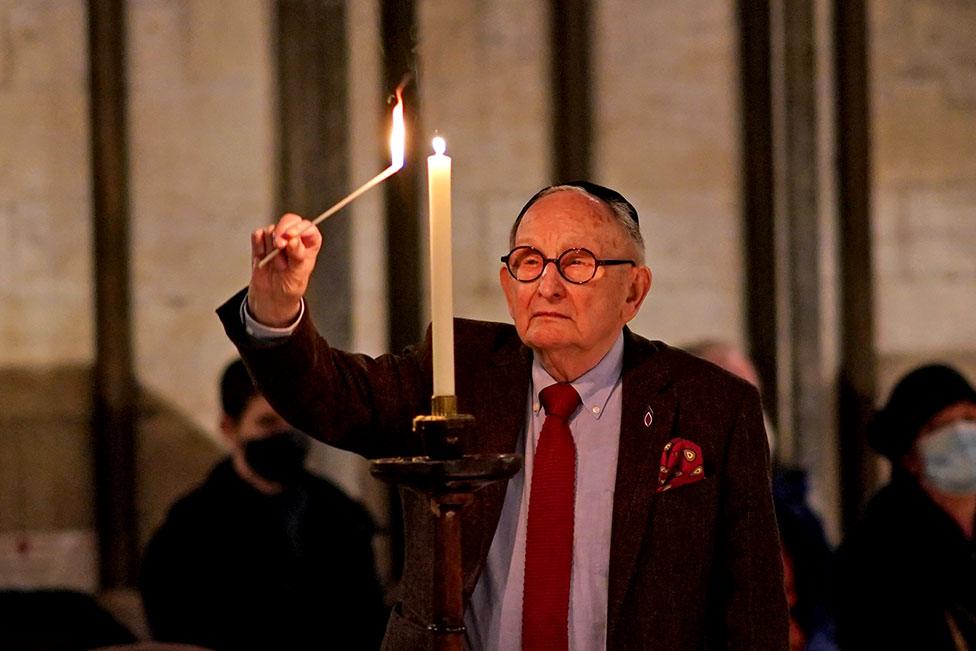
point(578, 266)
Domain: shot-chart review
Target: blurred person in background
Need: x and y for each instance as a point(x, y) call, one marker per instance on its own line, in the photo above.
point(807, 566)
point(263, 554)
point(907, 572)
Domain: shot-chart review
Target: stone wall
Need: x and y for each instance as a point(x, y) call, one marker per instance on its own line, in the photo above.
point(666, 90)
point(45, 210)
point(45, 295)
point(202, 178)
point(924, 112)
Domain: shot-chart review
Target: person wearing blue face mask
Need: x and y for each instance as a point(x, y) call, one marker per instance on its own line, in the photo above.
point(907, 572)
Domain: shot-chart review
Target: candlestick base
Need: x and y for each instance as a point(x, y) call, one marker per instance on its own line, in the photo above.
point(446, 476)
point(448, 480)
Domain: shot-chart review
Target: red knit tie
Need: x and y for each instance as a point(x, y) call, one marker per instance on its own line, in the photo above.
point(549, 536)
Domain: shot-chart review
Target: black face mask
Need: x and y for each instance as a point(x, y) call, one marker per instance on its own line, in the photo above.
point(279, 457)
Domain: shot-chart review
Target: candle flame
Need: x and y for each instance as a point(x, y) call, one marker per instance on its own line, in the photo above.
point(439, 145)
point(398, 134)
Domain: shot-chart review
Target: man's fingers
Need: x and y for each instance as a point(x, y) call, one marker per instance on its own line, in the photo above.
point(281, 261)
point(301, 238)
point(296, 250)
point(311, 236)
point(303, 229)
point(297, 236)
point(258, 249)
point(285, 229)
point(262, 241)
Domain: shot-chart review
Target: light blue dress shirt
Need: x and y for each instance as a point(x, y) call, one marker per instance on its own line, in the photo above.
point(494, 618)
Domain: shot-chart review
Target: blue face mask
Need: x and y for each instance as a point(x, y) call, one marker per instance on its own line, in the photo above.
point(949, 457)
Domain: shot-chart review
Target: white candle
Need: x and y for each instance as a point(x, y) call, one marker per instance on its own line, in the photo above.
point(441, 298)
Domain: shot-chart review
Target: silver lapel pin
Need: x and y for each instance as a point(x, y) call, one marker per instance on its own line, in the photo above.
point(648, 417)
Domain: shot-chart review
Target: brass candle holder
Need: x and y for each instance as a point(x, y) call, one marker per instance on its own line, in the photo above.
point(443, 429)
point(448, 479)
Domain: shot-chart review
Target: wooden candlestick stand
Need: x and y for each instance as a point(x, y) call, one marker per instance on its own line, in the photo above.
point(448, 480)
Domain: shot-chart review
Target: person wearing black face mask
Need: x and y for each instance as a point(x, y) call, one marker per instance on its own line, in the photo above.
point(278, 457)
point(907, 573)
point(263, 554)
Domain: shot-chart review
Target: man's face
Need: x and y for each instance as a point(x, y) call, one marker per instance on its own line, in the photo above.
point(257, 421)
point(553, 315)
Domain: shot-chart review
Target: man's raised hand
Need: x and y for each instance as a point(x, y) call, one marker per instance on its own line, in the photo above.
point(275, 293)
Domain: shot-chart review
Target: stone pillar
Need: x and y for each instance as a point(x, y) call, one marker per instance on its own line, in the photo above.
point(314, 167)
point(113, 381)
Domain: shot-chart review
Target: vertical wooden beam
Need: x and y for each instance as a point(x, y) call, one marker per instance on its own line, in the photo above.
point(572, 110)
point(399, 30)
point(113, 381)
point(313, 127)
point(403, 242)
point(758, 206)
point(858, 356)
point(801, 203)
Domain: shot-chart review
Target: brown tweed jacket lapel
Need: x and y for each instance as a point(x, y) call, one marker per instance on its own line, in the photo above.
point(647, 418)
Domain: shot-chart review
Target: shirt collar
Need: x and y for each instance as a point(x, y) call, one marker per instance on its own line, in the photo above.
point(594, 387)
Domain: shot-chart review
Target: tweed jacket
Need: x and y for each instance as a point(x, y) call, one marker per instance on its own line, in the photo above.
point(697, 567)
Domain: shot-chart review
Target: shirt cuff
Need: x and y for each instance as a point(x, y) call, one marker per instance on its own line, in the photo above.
point(262, 332)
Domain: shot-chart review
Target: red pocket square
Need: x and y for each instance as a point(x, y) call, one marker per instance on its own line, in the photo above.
point(681, 463)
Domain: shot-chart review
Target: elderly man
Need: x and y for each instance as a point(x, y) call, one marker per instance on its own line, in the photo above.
point(642, 517)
